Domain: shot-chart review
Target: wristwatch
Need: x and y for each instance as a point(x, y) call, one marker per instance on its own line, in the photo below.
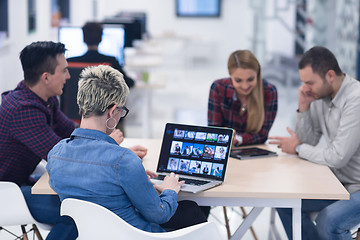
point(297, 149)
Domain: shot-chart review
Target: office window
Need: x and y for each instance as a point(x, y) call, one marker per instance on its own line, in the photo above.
point(60, 12)
point(4, 28)
point(198, 8)
point(31, 16)
point(300, 27)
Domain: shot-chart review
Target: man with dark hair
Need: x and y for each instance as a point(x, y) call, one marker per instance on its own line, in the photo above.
point(92, 32)
point(329, 108)
point(31, 123)
point(316, 57)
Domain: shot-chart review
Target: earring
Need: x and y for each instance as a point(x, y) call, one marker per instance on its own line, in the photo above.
point(107, 120)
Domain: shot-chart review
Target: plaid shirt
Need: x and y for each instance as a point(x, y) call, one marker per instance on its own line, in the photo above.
point(29, 128)
point(224, 110)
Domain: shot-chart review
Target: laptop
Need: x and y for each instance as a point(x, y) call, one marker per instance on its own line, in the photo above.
point(198, 154)
point(251, 153)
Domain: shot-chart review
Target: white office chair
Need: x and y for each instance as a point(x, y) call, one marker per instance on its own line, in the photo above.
point(96, 222)
point(14, 211)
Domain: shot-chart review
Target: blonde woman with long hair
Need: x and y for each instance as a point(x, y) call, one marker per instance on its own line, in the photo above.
point(243, 101)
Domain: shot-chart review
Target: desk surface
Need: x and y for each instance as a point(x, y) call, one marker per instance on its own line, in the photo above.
point(285, 176)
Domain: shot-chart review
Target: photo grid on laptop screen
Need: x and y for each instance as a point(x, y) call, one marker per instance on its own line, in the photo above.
point(195, 150)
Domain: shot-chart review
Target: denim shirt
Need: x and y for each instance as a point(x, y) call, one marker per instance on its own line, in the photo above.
point(91, 166)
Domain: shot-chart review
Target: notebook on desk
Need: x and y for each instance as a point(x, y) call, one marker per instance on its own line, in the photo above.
point(198, 154)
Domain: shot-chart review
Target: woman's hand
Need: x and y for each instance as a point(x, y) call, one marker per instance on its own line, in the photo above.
point(170, 182)
point(140, 151)
point(234, 140)
point(117, 135)
point(151, 174)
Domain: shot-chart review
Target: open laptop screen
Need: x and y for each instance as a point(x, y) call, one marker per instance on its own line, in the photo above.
point(195, 150)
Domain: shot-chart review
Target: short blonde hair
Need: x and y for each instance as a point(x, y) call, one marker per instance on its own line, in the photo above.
point(100, 87)
point(256, 113)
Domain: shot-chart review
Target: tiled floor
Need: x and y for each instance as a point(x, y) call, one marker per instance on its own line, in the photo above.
point(184, 100)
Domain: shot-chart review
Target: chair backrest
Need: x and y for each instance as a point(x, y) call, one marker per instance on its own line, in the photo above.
point(68, 104)
point(96, 222)
point(13, 207)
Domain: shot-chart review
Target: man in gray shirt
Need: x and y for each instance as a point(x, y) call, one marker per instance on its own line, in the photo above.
point(329, 107)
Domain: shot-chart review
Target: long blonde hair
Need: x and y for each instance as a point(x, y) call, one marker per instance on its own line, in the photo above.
point(256, 114)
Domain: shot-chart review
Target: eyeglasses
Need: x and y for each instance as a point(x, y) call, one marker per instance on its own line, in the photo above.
point(123, 111)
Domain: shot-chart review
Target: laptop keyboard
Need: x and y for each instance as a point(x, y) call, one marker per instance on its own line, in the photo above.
point(187, 180)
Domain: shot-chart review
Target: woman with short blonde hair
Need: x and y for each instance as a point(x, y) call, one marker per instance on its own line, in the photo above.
point(90, 165)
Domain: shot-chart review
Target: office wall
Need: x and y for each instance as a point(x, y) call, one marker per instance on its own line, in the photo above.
point(233, 30)
point(229, 32)
point(340, 33)
point(10, 68)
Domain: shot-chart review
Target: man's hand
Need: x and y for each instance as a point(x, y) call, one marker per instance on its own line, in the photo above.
point(117, 135)
point(305, 97)
point(170, 182)
point(140, 151)
point(287, 144)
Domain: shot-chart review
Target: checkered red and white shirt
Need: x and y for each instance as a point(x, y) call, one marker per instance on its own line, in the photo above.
point(224, 110)
point(29, 128)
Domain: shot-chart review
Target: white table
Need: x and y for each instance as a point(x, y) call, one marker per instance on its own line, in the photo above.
point(266, 182)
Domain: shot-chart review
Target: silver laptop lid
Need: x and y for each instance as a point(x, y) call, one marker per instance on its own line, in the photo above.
point(199, 151)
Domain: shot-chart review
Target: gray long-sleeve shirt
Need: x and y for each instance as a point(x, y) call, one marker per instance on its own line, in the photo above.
point(338, 121)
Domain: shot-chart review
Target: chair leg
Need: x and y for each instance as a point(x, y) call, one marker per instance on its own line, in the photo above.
point(227, 223)
point(251, 228)
point(4, 229)
point(37, 232)
point(24, 233)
